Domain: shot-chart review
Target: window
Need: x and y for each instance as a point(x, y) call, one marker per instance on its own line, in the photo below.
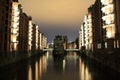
point(114, 44)
point(117, 43)
point(99, 45)
point(105, 44)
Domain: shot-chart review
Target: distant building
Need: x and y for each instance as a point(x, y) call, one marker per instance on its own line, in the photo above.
point(34, 38)
point(60, 44)
point(72, 45)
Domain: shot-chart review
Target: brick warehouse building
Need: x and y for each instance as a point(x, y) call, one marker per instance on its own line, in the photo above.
point(111, 23)
point(105, 26)
point(16, 29)
point(5, 25)
point(23, 32)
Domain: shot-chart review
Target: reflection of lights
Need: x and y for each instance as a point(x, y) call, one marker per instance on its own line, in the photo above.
point(30, 73)
point(47, 55)
point(84, 72)
point(64, 63)
point(42, 65)
point(36, 71)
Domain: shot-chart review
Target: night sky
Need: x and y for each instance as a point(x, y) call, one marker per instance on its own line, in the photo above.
point(54, 17)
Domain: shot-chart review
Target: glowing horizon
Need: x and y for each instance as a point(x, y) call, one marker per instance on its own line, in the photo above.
point(57, 13)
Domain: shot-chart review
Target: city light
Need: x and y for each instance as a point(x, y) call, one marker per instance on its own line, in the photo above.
point(30, 34)
point(108, 18)
point(106, 2)
point(14, 26)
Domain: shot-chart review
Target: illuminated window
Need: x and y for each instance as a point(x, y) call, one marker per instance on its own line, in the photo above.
point(114, 44)
point(118, 46)
point(99, 46)
point(105, 44)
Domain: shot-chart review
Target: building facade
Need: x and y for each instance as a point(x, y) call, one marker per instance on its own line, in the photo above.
point(17, 32)
point(9, 25)
point(111, 23)
point(100, 30)
point(34, 38)
point(23, 32)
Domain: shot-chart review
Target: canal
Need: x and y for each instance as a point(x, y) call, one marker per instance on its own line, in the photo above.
point(46, 67)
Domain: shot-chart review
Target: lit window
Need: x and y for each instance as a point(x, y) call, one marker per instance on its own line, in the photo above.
point(118, 44)
point(99, 46)
point(105, 44)
point(114, 44)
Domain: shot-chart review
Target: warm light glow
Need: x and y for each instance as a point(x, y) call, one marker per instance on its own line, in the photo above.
point(110, 31)
point(118, 44)
point(108, 18)
point(64, 63)
point(36, 37)
point(106, 2)
point(40, 40)
point(36, 70)
point(108, 9)
point(30, 34)
point(30, 73)
point(109, 35)
point(13, 38)
point(84, 72)
point(14, 26)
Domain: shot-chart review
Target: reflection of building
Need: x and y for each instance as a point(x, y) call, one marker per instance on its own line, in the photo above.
point(84, 71)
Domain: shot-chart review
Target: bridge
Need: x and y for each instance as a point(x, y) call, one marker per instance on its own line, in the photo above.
point(72, 50)
point(51, 49)
point(48, 49)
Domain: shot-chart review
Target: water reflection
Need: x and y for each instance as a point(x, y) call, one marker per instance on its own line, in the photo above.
point(29, 73)
point(47, 67)
point(83, 71)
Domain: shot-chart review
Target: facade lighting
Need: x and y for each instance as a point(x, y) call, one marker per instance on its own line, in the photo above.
point(108, 18)
point(14, 26)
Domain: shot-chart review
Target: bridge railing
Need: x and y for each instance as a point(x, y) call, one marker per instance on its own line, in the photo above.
point(51, 49)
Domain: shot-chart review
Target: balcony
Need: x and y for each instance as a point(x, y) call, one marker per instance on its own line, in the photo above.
point(109, 25)
point(106, 2)
point(108, 9)
point(108, 19)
